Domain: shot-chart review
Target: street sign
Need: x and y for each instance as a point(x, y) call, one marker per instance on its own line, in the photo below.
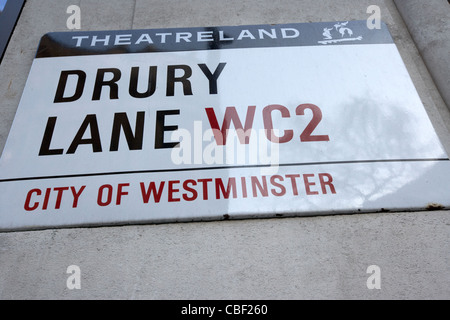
point(193, 124)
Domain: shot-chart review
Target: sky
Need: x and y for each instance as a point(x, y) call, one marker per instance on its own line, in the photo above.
point(2, 4)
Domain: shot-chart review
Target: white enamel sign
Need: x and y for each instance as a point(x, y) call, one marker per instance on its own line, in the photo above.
point(149, 126)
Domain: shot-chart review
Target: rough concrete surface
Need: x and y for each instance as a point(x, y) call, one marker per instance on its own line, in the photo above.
point(292, 258)
point(429, 25)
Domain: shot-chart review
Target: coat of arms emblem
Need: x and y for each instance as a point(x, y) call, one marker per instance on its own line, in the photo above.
point(338, 33)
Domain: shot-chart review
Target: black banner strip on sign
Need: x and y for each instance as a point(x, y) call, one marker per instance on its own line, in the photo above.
point(216, 168)
point(61, 44)
point(8, 19)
